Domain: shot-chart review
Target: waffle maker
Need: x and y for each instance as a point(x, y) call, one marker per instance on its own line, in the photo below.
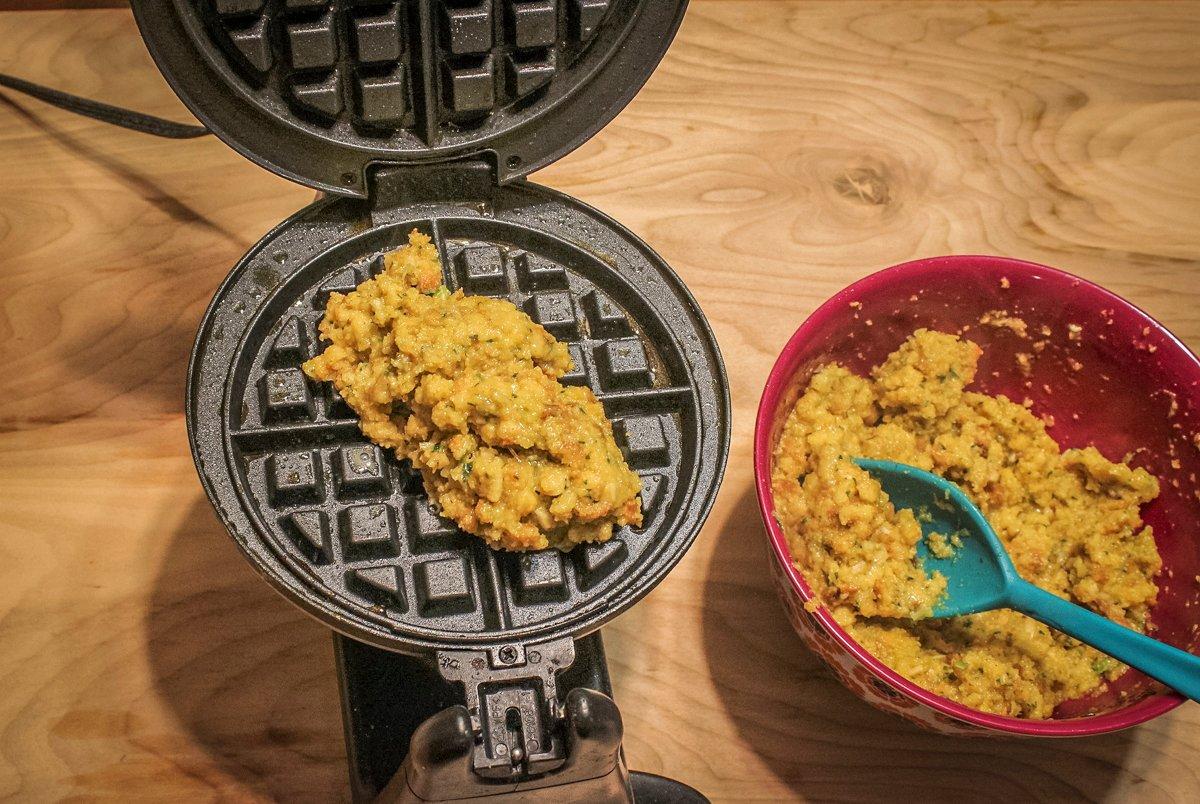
point(465, 673)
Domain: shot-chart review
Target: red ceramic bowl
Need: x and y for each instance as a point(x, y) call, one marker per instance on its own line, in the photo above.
point(1122, 383)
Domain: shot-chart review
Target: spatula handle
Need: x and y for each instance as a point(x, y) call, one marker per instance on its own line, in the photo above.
point(1177, 669)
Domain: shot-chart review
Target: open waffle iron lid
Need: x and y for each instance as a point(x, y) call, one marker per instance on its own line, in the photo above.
point(320, 91)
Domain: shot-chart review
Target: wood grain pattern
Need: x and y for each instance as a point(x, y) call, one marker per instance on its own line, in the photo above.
point(783, 150)
point(43, 5)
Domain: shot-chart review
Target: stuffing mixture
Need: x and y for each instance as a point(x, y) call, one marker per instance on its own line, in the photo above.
point(467, 389)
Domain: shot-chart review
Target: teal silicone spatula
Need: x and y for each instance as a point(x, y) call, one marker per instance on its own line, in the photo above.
point(980, 577)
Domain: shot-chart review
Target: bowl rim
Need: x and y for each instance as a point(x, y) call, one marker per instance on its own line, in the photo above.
point(777, 383)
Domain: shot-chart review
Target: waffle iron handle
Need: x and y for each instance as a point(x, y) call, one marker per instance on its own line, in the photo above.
point(513, 700)
point(515, 738)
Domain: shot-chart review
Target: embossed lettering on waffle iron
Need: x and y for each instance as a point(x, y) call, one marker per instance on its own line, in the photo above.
point(355, 520)
point(373, 69)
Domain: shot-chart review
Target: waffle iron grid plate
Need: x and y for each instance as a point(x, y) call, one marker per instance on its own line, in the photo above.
point(344, 529)
point(317, 90)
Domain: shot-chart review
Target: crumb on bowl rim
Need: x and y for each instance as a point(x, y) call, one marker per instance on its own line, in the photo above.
point(777, 382)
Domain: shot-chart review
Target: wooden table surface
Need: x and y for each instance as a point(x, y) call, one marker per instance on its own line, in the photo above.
point(781, 151)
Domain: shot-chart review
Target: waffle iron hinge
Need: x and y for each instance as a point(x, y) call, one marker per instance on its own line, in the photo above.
point(470, 181)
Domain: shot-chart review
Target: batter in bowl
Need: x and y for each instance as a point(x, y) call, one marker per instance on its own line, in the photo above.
point(1069, 519)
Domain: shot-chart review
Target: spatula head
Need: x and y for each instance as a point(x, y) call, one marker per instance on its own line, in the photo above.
point(978, 570)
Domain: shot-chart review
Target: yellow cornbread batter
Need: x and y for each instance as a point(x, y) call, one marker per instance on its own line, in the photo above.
point(1070, 520)
point(466, 388)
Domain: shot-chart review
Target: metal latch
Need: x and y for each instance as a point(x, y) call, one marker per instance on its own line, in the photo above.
point(513, 704)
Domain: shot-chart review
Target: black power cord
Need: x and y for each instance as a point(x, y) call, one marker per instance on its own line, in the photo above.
point(115, 115)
